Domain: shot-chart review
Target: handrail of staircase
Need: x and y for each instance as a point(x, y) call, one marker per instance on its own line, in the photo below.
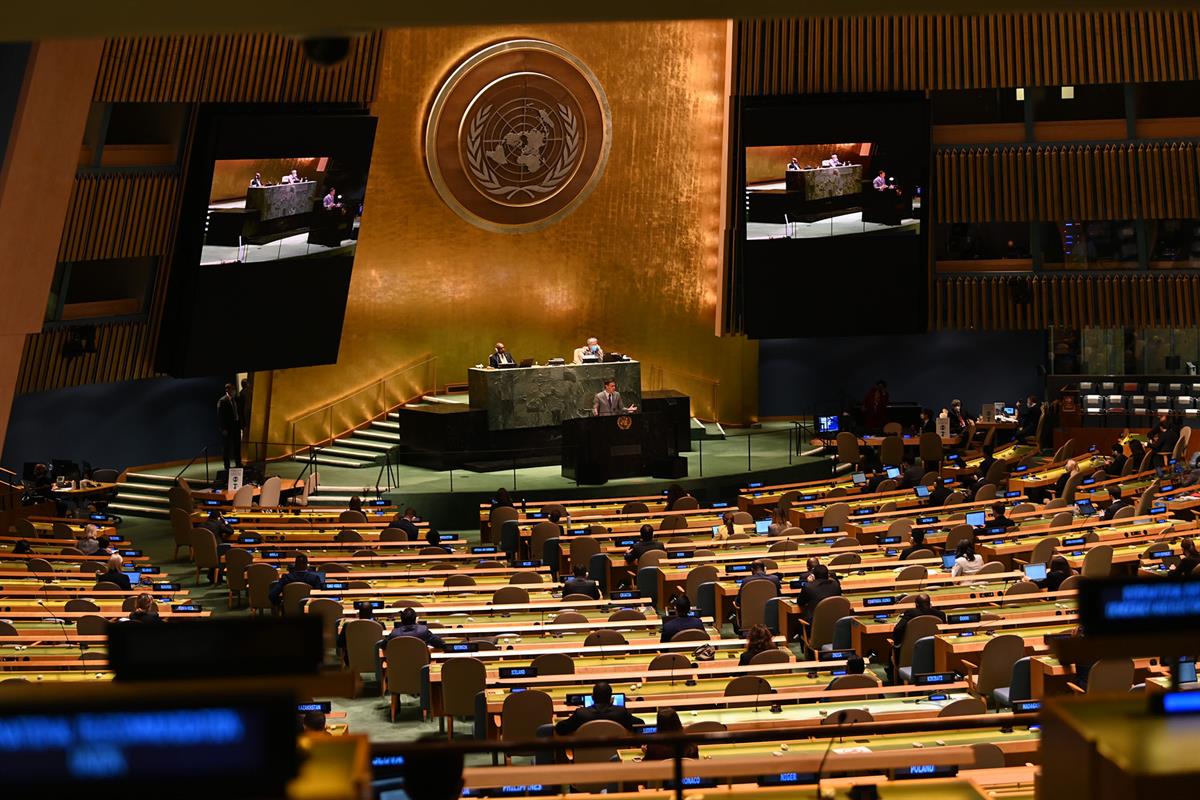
point(203, 452)
point(378, 407)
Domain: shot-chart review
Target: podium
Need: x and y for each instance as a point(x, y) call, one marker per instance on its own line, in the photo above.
point(598, 449)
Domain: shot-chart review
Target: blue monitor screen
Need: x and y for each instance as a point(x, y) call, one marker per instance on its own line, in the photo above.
point(893, 472)
point(859, 478)
point(922, 491)
point(977, 519)
point(1035, 572)
point(762, 526)
point(948, 560)
point(827, 424)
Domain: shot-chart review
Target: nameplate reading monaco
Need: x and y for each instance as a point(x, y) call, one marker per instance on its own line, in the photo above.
point(518, 136)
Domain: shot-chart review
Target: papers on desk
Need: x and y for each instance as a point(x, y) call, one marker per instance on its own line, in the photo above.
point(858, 749)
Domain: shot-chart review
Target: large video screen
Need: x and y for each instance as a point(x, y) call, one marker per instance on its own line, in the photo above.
point(833, 227)
point(267, 237)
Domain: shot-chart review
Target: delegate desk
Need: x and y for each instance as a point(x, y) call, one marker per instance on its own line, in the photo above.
point(539, 397)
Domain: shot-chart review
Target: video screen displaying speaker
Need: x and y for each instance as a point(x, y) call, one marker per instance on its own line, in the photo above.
point(267, 237)
point(833, 235)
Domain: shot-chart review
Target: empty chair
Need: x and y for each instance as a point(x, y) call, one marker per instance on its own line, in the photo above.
point(596, 729)
point(243, 497)
point(1069, 584)
point(742, 518)
point(1043, 550)
point(845, 559)
point(987, 754)
point(901, 528)
point(8, 629)
point(626, 615)
point(669, 662)
point(705, 726)
point(845, 541)
point(582, 550)
point(181, 497)
point(954, 498)
point(405, 656)
point(25, 527)
point(61, 530)
point(1022, 587)
point(991, 568)
point(686, 503)
point(1062, 519)
point(913, 572)
point(571, 618)
point(604, 637)
point(691, 635)
point(748, 684)
point(554, 664)
point(393, 535)
point(458, 580)
point(1097, 562)
point(541, 533)
point(835, 515)
point(462, 679)
point(348, 535)
point(509, 595)
point(523, 713)
point(1022, 508)
point(524, 577)
point(91, 625)
point(995, 664)
point(1109, 676)
point(204, 551)
point(236, 561)
point(550, 508)
point(959, 533)
point(329, 612)
point(651, 558)
point(673, 522)
point(1020, 686)
point(496, 519)
point(985, 492)
point(106, 586)
point(362, 636)
point(930, 448)
point(268, 496)
point(848, 716)
point(39, 566)
point(963, 707)
point(352, 515)
point(863, 681)
point(847, 449)
point(891, 451)
point(917, 555)
point(259, 578)
point(1125, 512)
point(635, 507)
point(1058, 502)
point(80, 604)
point(752, 602)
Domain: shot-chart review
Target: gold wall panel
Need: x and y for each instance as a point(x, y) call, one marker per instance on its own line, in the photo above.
point(636, 265)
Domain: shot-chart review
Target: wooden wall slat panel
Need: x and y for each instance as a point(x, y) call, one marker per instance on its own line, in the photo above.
point(121, 215)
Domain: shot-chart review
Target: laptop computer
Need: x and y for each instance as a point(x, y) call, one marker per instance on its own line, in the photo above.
point(1035, 572)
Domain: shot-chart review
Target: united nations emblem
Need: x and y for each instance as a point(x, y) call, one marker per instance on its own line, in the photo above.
point(625, 422)
point(518, 136)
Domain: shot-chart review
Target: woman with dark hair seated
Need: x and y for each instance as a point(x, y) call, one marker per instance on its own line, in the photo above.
point(759, 640)
point(668, 722)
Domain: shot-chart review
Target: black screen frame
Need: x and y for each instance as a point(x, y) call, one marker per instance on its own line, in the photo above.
point(267, 315)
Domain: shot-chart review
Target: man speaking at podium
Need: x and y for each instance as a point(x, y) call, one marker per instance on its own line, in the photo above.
point(608, 403)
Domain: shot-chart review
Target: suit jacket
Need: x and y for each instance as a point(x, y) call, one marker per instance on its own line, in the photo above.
point(1028, 416)
point(775, 579)
point(418, 631)
point(117, 577)
point(575, 585)
point(617, 714)
point(402, 523)
point(603, 405)
point(314, 579)
point(1053, 580)
point(1113, 508)
point(639, 548)
point(674, 625)
point(911, 614)
point(494, 359)
point(1118, 465)
point(580, 352)
point(227, 414)
point(816, 591)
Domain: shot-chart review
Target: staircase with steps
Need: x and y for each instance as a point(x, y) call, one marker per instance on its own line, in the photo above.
point(143, 495)
point(364, 447)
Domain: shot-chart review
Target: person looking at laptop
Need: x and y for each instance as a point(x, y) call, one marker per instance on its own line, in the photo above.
point(500, 357)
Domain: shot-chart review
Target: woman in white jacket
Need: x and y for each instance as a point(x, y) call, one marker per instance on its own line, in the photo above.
point(966, 562)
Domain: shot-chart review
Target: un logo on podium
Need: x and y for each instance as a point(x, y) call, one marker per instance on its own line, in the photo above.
point(518, 136)
point(624, 422)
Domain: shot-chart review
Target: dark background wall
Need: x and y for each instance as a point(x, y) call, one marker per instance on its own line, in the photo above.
point(116, 424)
point(803, 376)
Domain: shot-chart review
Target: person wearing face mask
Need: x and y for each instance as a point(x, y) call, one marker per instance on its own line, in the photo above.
point(590, 350)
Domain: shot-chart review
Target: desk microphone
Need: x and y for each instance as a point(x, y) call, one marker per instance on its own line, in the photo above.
point(841, 720)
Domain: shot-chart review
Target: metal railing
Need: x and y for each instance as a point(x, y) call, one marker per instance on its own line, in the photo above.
point(363, 405)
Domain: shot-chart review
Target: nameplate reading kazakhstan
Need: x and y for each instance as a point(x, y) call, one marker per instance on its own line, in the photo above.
point(518, 136)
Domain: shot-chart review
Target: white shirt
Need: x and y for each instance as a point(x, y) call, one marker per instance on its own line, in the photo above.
point(964, 567)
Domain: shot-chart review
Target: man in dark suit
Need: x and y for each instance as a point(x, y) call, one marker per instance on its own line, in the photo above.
point(602, 708)
point(758, 572)
point(985, 464)
point(821, 586)
point(1027, 418)
point(922, 607)
point(1163, 436)
point(1117, 502)
point(646, 544)
point(243, 404)
point(578, 583)
point(939, 493)
point(114, 574)
point(299, 573)
point(1116, 461)
point(231, 427)
point(918, 543)
point(407, 522)
point(407, 625)
point(501, 357)
point(682, 621)
point(608, 402)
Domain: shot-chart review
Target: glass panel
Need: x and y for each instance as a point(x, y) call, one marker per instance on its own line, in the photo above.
point(1099, 244)
point(1088, 102)
point(1173, 243)
point(970, 241)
